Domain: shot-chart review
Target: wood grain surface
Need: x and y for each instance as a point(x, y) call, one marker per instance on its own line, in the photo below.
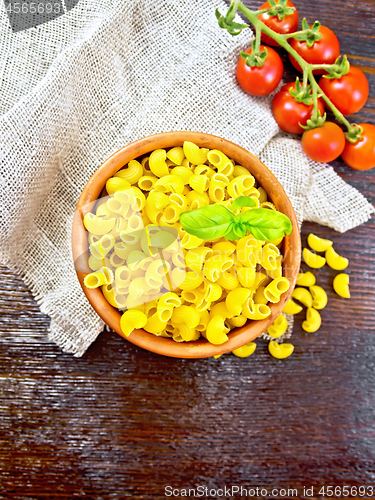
point(121, 422)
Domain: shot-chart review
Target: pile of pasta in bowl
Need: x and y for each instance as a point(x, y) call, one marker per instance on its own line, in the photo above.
point(186, 245)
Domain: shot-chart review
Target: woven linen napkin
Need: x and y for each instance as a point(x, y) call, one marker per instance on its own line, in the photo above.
point(79, 87)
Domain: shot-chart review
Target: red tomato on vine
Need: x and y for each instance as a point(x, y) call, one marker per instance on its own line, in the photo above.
point(348, 93)
point(361, 155)
point(287, 25)
point(289, 113)
point(260, 80)
point(324, 51)
point(324, 143)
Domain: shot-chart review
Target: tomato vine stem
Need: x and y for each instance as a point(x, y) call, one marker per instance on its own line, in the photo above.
point(354, 131)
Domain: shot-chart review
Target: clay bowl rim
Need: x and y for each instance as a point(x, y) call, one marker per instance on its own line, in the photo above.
point(111, 316)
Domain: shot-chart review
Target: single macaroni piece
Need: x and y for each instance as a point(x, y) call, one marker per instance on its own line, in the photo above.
point(103, 210)
point(313, 260)
point(187, 315)
point(269, 255)
point(278, 271)
point(193, 296)
point(259, 297)
point(268, 204)
point(237, 321)
point(197, 200)
point(183, 172)
point(249, 251)
point(131, 174)
point(138, 288)
point(220, 178)
point(228, 170)
point(187, 334)
point(215, 266)
point(216, 332)
point(176, 155)
point(341, 285)
point(245, 351)
point(277, 287)
point(102, 247)
point(102, 277)
point(132, 319)
point(154, 324)
point(147, 182)
point(240, 170)
point(116, 184)
point(109, 295)
point(280, 351)
point(224, 247)
point(186, 163)
point(170, 184)
point(220, 309)
point(204, 170)
point(240, 185)
point(306, 279)
point(303, 296)
point(318, 244)
point(171, 213)
point(122, 278)
point(319, 297)
point(236, 299)
point(179, 200)
point(120, 226)
point(95, 263)
point(189, 241)
point(255, 311)
point(155, 273)
point(246, 276)
point(213, 292)
point(194, 154)
point(278, 327)
point(203, 321)
point(218, 159)
point(292, 308)
point(262, 195)
point(98, 225)
point(260, 279)
point(199, 183)
point(134, 259)
point(335, 261)
point(216, 191)
point(158, 165)
point(192, 280)
point(196, 257)
point(140, 198)
point(313, 320)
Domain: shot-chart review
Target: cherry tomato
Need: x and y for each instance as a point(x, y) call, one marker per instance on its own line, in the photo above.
point(263, 80)
point(361, 155)
point(289, 113)
point(325, 51)
point(349, 93)
point(324, 143)
point(287, 25)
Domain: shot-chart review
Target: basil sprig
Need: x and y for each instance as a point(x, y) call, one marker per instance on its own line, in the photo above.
point(215, 221)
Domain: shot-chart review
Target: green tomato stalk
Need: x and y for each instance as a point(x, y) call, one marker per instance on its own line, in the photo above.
point(307, 34)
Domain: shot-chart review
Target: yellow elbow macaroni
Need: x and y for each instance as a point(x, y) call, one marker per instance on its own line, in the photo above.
point(341, 285)
point(165, 280)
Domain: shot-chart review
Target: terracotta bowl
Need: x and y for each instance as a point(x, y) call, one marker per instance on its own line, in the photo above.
point(92, 191)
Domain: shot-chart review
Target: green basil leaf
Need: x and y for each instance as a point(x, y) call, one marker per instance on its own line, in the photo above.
point(208, 222)
point(242, 201)
point(265, 224)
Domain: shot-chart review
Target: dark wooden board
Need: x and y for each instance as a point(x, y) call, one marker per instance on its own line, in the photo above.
point(124, 423)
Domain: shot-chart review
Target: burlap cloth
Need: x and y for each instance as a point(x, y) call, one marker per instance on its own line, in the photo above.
point(77, 88)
